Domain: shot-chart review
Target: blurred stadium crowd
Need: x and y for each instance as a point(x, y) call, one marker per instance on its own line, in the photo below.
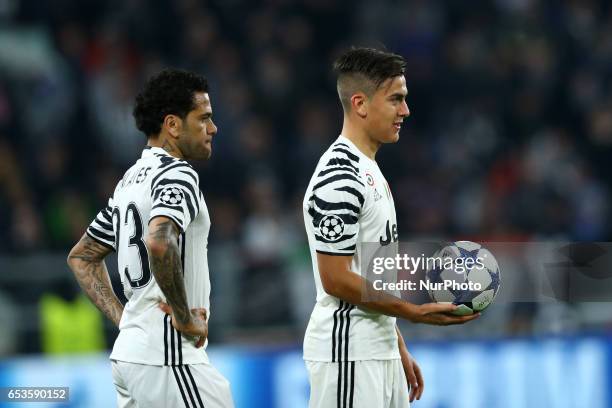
point(509, 139)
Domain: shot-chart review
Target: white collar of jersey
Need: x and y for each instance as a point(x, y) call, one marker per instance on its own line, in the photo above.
point(150, 150)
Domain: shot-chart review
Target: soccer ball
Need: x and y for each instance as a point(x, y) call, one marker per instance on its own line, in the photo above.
point(466, 274)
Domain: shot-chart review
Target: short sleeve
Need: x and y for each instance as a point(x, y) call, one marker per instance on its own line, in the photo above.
point(335, 207)
point(175, 194)
point(101, 228)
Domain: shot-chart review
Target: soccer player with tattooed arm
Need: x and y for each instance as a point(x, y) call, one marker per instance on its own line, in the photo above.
point(354, 352)
point(158, 223)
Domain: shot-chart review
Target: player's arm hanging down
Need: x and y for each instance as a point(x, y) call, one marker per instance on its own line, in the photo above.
point(165, 261)
point(86, 260)
point(411, 369)
point(338, 280)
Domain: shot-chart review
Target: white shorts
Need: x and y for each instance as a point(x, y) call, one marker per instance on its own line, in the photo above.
point(358, 384)
point(197, 386)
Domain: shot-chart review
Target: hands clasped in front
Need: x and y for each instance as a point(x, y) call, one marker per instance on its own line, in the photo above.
point(196, 328)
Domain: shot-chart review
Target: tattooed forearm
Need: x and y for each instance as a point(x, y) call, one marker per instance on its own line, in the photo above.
point(87, 262)
point(166, 266)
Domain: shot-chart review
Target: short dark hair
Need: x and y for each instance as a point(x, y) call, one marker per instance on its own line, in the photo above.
point(365, 69)
point(170, 92)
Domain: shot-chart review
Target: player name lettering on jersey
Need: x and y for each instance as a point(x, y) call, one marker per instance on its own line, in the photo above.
point(157, 185)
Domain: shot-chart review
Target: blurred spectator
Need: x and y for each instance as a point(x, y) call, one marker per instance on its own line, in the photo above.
point(70, 324)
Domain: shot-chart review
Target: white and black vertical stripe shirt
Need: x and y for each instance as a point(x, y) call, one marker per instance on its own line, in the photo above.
point(348, 203)
point(156, 185)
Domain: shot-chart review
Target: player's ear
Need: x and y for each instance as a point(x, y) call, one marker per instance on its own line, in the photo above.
point(173, 124)
point(359, 102)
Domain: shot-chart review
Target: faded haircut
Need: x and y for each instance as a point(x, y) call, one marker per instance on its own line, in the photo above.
point(364, 70)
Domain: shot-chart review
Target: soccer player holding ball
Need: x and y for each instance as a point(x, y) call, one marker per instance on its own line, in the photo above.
point(158, 223)
point(354, 353)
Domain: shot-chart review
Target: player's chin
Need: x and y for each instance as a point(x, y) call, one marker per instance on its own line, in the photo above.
point(392, 137)
point(206, 151)
point(200, 155)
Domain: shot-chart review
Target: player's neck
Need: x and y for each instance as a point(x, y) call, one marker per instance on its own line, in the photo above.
point(360, 139)
point(163, 143)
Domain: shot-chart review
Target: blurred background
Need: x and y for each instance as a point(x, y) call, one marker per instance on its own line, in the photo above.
point(509, 139)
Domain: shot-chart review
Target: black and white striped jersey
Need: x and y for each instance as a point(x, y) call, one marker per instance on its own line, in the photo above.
point(347, 203)
point(156, 185)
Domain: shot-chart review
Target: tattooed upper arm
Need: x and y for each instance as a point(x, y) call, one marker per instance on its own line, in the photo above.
point(89, 250)
point(162, 231)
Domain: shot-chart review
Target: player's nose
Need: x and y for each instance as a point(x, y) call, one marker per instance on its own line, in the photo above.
point(404, 110)
point(212, 128)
